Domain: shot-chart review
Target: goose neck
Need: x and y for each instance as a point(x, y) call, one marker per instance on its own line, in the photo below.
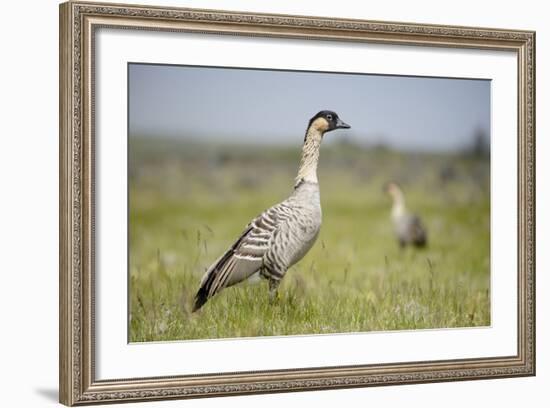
point(310, 156)
point(398, 208)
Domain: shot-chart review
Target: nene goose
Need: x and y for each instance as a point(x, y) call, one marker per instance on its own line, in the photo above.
point(408, 227)
point(281, 235)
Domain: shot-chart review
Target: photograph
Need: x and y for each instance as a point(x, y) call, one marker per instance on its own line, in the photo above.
point(267, 202)
point(357, 192)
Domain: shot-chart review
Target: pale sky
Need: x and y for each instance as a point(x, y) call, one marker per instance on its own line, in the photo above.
point(273, 107)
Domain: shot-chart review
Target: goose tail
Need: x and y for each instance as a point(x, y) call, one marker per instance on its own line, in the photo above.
point(200, 298)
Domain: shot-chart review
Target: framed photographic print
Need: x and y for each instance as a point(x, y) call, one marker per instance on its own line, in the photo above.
point(256, 203)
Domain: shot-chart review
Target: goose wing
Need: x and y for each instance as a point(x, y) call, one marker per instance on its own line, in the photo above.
point(417, 231)
point(244, 257)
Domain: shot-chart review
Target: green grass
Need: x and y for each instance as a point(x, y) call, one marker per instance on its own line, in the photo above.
point(187, 205)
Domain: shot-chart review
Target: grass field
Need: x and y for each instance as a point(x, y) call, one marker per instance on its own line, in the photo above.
point(189, 202)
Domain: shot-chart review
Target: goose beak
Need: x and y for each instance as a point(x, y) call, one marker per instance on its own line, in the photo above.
point(340, 124)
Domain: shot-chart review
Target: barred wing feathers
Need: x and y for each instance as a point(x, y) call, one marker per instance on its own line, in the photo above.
point(410, 230)
point(418, 232)
point(290, 242)
point(245, 257)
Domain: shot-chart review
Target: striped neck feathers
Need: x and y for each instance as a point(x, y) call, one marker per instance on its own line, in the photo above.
point(398, 208)
point(310, 155)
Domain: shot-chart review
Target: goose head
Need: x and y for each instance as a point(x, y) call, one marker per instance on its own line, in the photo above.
point(326, 121)
point(393, 190)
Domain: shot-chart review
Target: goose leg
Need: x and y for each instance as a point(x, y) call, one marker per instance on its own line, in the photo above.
point(273, 290)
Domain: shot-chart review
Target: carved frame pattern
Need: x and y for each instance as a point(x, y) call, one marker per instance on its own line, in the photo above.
point(78, 20)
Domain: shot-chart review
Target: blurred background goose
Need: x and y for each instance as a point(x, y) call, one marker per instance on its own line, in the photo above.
point(280, 236)
point(408, 228)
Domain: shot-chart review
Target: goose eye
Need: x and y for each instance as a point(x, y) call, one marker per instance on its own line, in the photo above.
point(329, 117)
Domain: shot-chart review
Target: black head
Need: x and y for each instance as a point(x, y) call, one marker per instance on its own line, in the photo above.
point(327, 120)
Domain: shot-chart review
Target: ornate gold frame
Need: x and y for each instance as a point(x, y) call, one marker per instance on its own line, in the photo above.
point(78, 22)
